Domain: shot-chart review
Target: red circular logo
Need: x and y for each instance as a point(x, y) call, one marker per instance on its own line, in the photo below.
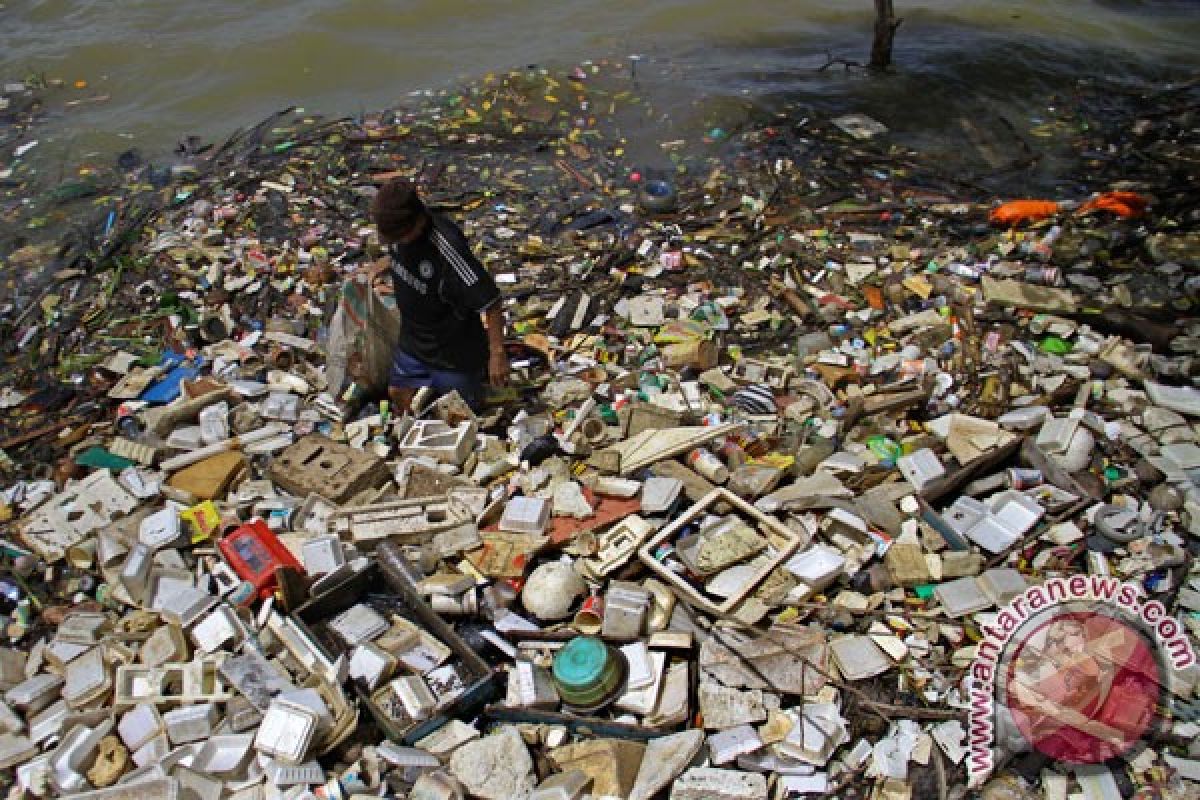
point(1083, 686)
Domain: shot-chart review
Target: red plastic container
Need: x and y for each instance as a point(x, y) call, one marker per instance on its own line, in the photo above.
point(255, 553)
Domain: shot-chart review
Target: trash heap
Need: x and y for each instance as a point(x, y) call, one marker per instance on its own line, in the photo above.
point(788, 422)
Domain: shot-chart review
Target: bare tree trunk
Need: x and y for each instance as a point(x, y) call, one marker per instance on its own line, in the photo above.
point(885, 31)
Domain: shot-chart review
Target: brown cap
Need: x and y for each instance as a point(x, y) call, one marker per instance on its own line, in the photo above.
point(396, 208)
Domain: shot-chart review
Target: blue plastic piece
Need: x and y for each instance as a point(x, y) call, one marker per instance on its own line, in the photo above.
point(167, 387)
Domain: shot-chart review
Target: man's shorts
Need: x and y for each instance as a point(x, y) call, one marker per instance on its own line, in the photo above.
point(410, 372)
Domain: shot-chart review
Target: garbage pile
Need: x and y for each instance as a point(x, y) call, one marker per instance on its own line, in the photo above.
point(788, 424)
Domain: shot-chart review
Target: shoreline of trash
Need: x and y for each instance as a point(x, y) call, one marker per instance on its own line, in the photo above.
point(788, 422)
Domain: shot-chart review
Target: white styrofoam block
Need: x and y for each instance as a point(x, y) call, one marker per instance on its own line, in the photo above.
point(921, 468)
point(526, 515)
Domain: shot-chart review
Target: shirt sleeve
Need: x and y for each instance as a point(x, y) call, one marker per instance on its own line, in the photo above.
point(474, 283)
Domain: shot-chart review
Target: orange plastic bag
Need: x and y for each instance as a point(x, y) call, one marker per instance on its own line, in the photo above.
point(1015, 212)
point(1123, 204)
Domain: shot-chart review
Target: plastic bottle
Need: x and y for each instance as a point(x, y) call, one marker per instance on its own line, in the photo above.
point(708, 465)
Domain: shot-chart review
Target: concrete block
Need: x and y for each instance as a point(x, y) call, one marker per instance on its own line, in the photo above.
point(665, 758)
point(434, 438)
point(437, 785)
point(906, 564)
point(496, 767)
point(415, 521)
point(612, 764)
point(723, 708)
point(189, 682)
point(318, 465)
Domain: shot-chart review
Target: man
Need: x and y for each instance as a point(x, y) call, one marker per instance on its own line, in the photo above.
point(441, 291)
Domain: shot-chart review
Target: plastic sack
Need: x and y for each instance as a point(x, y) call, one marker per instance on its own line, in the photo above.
point(1124, 204)
point(362, 337)
point(1015, 212)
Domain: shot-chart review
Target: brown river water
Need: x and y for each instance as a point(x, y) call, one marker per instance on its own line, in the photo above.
point(166, 69)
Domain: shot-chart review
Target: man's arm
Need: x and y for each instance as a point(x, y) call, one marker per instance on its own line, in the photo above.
point(493, 322)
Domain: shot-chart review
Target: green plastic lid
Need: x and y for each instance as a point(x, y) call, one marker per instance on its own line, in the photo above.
point(588, 674)
point(1056, 345)
point(581, 664)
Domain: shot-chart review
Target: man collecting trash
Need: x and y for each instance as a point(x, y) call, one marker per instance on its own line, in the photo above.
point(451, 320)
